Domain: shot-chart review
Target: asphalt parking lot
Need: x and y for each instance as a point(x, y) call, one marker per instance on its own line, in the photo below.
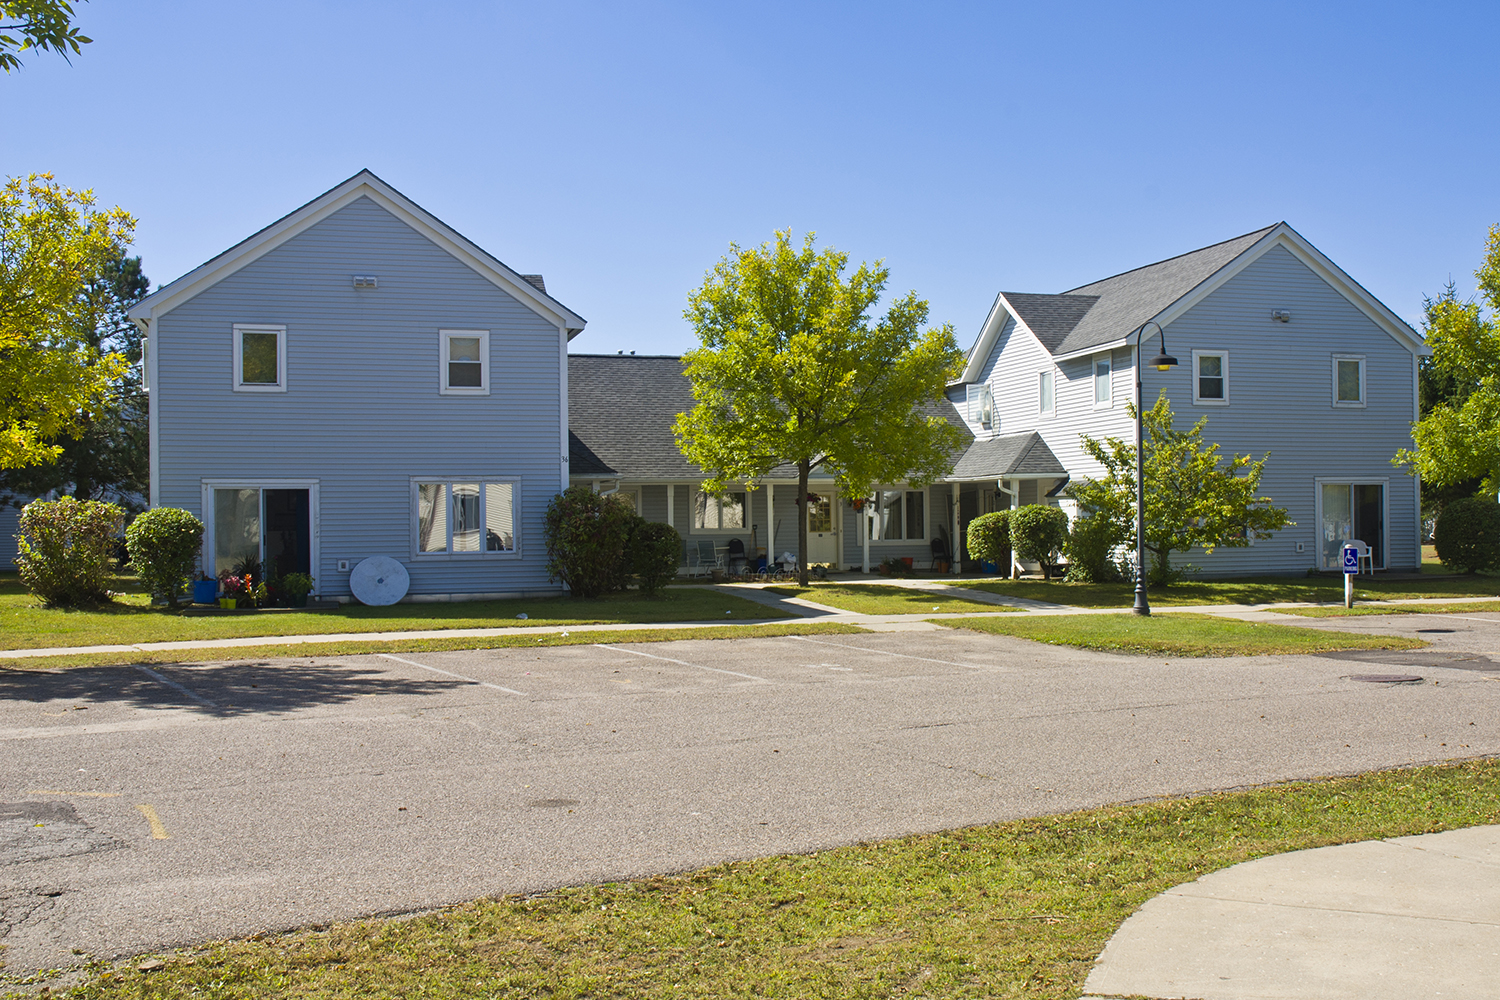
point(146, 808)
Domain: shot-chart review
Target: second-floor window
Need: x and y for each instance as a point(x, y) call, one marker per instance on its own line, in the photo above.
point(1211, 377)
point(464, 368)
point(259, 358)
point(1348, 380)
point(1045, 402)
point(1102, 387)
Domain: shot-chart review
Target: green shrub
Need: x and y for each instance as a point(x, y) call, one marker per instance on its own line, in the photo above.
point(586, 535)
point(988, 539)
point(163, 544)
point(654, 553)
point(1468, 534)
point(64, 549)
point(1038, 533)
point(1091, 544)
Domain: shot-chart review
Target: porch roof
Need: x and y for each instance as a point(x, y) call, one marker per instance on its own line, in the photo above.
point(1023, 456)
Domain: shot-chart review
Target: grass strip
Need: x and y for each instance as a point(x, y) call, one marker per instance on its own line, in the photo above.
point(1181, 634)
point(129, 620)
point(307, 649)
point(884, 599)
point(1391, 609)
point(1255, 590)
point(1014, 909)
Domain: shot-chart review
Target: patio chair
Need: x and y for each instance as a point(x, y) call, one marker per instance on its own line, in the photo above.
point(705, 558)
point(939, 547)
point(736, 554)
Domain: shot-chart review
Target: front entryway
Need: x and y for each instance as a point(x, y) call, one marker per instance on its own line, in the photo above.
point(1350, 511)
point(822, 533)
point(265, 531)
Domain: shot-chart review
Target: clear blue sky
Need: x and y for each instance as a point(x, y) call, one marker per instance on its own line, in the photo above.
point(619, 148)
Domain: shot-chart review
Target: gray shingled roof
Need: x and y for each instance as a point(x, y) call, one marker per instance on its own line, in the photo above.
point(1014, 455)
point(1107, 310)
point(620, 414)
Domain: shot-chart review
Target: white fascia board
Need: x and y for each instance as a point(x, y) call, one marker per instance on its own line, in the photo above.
point(1086, 352)
point(994, 324)
point(362, 185)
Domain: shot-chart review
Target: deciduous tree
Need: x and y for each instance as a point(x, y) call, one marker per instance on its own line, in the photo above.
point(53, 243)
point(793, 371)
point(1458, 437)
point(1193, 496)
point(37, 24)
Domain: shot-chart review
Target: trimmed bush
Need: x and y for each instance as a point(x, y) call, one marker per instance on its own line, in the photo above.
point(586, 535)
point(65, 547)
point(163, 544)
point(1091, 545)
point(653, 553)
point(988, 539)
point(1038, 533)
point(1468, 534)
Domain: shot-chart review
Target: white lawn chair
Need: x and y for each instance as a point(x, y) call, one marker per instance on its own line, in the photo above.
point(705, 559)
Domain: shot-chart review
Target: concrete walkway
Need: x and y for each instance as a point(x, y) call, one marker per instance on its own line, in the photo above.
point(1380, 920)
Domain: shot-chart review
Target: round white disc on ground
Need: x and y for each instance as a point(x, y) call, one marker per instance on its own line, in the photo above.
point(379, 580)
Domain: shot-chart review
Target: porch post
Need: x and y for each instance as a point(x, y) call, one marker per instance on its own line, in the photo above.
point(770, 522)
point(671, 505)
point(864, 534)
point(958, 559)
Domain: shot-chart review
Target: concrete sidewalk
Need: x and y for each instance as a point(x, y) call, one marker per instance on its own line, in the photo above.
point(1379, 920)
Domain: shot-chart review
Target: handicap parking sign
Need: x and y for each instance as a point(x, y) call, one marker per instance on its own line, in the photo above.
point(1351, 559)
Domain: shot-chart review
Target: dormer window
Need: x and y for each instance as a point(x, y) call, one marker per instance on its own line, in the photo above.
point(982, 406)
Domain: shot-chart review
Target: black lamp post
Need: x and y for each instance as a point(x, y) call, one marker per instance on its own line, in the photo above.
point(1162, 361)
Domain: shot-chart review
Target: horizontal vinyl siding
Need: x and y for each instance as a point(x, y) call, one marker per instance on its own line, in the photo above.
point(362, 413)
point(1281, 401)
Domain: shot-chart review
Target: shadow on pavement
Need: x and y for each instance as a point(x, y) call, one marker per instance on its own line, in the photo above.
point(226, 689)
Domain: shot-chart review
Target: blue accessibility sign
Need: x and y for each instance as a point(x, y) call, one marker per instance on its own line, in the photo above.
point(1351, 559)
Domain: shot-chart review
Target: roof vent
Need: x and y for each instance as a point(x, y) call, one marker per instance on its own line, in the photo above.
point(366, 281)
point(535, 281)
point(1281, 316)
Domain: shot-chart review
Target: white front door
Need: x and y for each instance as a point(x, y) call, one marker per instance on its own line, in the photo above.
point(822, 533)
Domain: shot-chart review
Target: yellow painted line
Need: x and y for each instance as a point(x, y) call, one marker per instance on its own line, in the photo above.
point(158, 831)
point(84, 795)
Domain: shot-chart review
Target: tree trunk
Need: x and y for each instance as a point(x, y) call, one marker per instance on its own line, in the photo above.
point(802, 474)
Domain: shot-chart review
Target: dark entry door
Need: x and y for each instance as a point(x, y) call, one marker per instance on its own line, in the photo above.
point(288, 532)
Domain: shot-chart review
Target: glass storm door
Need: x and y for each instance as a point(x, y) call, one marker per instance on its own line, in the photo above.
point(1352, 511)
point(262, 532)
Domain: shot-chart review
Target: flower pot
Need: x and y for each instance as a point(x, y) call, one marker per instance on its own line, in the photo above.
point(227, 603)
point(907, 561)
point(205, 591)
point(717, 574)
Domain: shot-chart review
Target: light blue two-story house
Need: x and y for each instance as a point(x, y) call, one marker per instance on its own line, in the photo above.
point(358, 379)
point(1280, 349)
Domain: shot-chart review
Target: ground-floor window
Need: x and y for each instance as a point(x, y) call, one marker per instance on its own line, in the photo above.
point(900, 515)
point(726, 513)
point(263, 532)
point(454, 517)
point(1348, 511)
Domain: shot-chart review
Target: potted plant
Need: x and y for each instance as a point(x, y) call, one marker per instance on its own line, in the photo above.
point(297, 586)
point(205, 589)
point(232, 590)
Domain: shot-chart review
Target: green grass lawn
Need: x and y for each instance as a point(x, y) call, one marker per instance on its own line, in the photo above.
point(1252, 590)
point(353, 648)
point(1392, 609)
point(24, 624)
point(1016, 909)
point(881, 599)
point(1181, 634)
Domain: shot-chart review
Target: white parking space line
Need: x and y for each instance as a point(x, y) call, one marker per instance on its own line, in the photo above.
point(886, 652)
point(168, 682)
point(695, 666)
point(449, 673)
point(1468, 618)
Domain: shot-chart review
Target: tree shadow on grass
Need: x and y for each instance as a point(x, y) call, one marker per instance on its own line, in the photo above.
point(224, 690)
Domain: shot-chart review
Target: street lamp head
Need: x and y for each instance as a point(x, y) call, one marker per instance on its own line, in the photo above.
point(1163, 361)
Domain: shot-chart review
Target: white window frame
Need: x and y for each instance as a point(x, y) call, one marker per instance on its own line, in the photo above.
point(695, 529)
point(482, 553)
point(1351, 481)
point(978, 399)
point(240, 329)
point(1223, 357)
point(875, 538)
point(312, 486)
point(445, 338)
point(1334, 369)
point(1106, 358)
point(1048, 378)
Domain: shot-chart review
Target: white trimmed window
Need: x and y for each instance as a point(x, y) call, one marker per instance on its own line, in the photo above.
point(981, 406)
point(464, 362)
point(456, 517)
point(1211, 378)
point(259, 358)
point(1103, 389)
point(1046, 401)
point(711, 513)
point(900, 515)
point(1348, 380)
